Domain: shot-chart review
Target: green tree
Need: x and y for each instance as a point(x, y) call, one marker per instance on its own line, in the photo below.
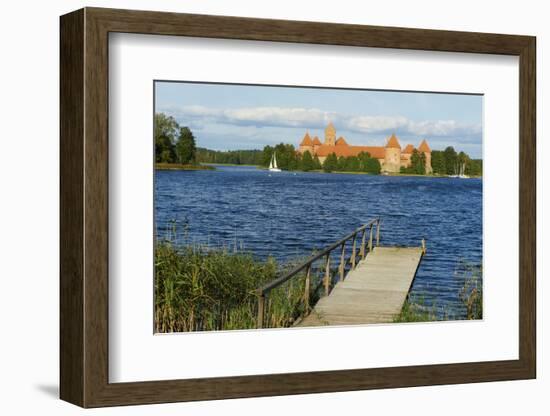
point(317, 163)
point(165, 130)
point(418, 163)
point(451, 160)
point(185, 146)
point(266, 155)
point(164, 150)
point(353, 164)
point(474, 167)
point(331, 163)
point(438, 162)
point(342, 164)
point(307, 162)
point(372, 165)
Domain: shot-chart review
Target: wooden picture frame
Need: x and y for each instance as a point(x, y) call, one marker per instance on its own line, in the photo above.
point(84, 207)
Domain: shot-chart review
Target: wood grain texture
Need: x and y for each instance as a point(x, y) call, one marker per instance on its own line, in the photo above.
point(71, 213)
point(373, 292)
point(84, 206)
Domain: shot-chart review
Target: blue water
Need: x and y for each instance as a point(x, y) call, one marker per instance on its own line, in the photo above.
point(288, 215)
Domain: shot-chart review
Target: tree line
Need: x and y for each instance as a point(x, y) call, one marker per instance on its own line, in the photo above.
point(449, 162)
point(289, 159)
point(233, 157)
point(173, 143)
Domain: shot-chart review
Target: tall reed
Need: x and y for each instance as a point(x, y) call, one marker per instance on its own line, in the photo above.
point(203, 289)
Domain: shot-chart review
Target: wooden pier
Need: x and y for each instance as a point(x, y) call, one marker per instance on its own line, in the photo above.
point(368, 284)
point(373, 292)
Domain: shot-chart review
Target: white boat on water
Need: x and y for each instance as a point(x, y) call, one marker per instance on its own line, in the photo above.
point(273, 164)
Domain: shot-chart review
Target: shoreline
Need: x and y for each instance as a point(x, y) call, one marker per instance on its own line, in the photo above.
point(212, 166)
point(229, 164)
point(177, 166)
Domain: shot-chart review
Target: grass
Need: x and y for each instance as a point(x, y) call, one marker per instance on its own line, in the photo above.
point(178, 166)
point(415, 312)
point(202, 289)
point(470, 295)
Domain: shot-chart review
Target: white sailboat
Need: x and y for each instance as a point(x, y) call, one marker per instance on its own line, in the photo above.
point(459, 171)
point(273, 164)
point(462, 175)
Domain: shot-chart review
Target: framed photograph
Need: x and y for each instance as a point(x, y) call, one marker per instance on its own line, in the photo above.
point(255, 207)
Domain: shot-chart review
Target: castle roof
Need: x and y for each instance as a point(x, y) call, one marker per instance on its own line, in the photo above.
point(424, 147)
point(330, 126)
point(316, 141)
point(393, 142)
point(306, 140)
point(408, 149)
point(341, 142)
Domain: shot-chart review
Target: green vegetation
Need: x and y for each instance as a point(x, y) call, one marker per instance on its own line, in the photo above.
point(416, 312)
point(418, 164)
point(449, 162)
point(470, 295)
point(331, 163)
point(177, 166)
point(289, 159)
point(229, 157)
point(173, 143)
point(309, 162)
point(200, 289)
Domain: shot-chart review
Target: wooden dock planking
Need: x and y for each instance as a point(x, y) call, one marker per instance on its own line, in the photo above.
point(374, 292)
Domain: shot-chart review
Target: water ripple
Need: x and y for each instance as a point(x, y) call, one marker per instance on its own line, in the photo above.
point(287, 215)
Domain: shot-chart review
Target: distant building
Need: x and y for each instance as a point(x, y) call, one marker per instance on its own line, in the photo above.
point(391, 156)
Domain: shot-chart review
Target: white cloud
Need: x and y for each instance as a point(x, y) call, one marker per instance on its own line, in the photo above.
point(316, 118)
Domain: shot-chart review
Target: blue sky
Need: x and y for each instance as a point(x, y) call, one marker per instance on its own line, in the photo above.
point(229, 117)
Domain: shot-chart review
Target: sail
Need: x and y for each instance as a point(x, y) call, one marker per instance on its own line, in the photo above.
point(271, 161)
point(275, 161)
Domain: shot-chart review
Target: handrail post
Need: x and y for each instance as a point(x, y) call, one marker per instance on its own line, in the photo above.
point(261, 307)
point(354, 249)
point(370, 238)
point(327, 274)
point(342, 261)
point(307, 288)
point(377, 232)
point(363, 239)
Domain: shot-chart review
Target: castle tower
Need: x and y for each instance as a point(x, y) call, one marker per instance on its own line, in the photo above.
point(392, 155)
point(306, 145)
point(424, 148)
point(330, 135)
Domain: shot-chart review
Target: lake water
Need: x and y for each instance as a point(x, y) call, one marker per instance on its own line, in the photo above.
point(288, 215)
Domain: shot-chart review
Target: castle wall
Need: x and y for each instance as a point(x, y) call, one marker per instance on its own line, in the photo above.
point(392, 160)
point(429, 169)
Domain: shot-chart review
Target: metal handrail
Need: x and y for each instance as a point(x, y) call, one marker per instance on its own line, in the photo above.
point(263, 291)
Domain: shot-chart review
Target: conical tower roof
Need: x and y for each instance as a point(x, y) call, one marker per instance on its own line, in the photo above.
point(316, 141)
point(306, 141)
point(393, 142)
point(424, 147)
point(341, 142)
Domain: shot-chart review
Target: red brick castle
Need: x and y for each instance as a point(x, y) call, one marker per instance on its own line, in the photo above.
point(391, 156)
